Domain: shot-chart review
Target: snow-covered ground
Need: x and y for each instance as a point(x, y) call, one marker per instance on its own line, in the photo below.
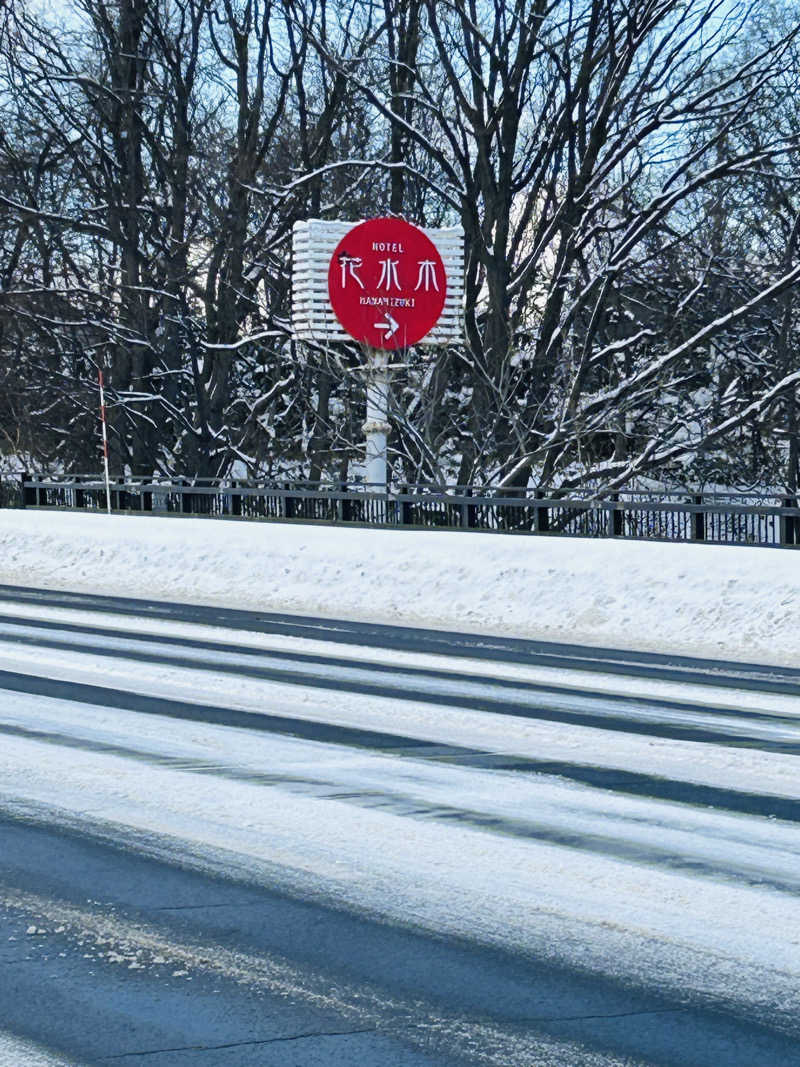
point(15, 1052)
point(650, 889)
point(465, 799)
point(704, 600)
point(460, 673)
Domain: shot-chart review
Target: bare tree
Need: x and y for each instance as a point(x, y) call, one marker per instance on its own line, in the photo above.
point(629, 311)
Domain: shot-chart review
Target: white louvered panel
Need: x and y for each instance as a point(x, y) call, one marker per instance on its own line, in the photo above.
point(322, 230)
point(317, 304)
point(328, 323)
point(443, 243)
point(319, 277)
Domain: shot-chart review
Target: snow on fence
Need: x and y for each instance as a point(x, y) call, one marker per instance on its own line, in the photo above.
point(722, 518)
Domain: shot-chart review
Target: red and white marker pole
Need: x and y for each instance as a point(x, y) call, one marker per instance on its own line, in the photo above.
point(105, 438)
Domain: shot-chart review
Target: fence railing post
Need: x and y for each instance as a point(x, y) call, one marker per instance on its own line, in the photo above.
point(288, 502)
point(542, 513)
point(789, 525)
point(698, 521)
point(617, 525)
point(236, 499)
point(186, 501)
point(406, 507)
point(469, 513)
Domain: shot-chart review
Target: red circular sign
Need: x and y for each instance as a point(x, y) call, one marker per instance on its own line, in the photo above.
point(386, 283)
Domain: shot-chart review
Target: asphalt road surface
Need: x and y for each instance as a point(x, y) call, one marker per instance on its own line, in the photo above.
point(236, 838)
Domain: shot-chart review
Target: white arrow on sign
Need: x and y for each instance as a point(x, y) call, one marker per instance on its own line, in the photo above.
point(390, 326)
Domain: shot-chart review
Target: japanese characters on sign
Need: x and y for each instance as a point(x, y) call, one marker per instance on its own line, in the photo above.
point(387, 283)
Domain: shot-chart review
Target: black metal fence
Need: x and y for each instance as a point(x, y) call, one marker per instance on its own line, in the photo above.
point(11, 493)
point(722, 518)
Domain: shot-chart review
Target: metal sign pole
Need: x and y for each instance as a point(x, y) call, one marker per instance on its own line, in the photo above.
point(377, 425)
point(105, 438)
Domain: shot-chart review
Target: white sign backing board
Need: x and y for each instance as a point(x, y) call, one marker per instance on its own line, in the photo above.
point(314, 242)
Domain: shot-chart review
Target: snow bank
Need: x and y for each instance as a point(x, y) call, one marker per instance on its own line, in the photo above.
point(14, 1051)
point(703, 600)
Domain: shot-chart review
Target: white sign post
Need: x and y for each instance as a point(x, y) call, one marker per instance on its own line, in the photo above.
point(377, 426)
point(388, 296)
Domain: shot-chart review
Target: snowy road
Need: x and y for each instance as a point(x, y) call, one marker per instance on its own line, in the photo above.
point(231, 838)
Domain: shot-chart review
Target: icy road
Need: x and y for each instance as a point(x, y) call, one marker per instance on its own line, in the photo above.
point(233, 838)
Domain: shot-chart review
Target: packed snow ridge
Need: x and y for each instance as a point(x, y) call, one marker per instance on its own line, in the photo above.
point(704, 600)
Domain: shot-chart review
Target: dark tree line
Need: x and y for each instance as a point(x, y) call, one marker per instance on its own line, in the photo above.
point(626, 175)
